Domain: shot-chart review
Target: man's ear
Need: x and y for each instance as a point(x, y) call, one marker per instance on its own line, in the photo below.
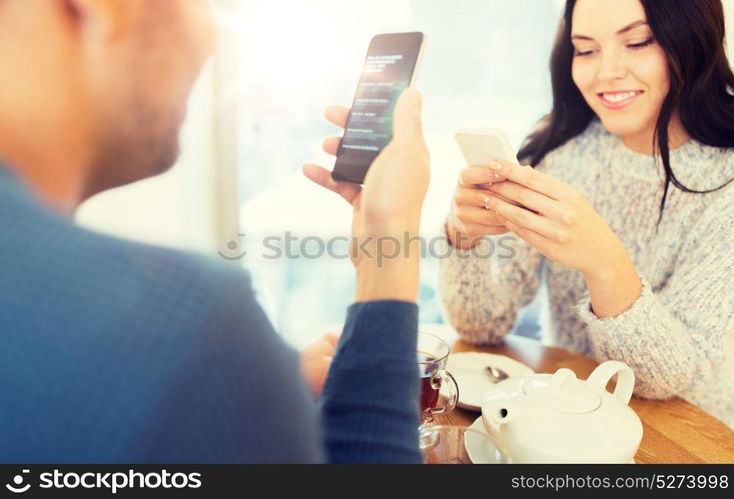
point(105, 19)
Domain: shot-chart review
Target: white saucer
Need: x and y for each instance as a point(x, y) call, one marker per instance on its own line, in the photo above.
point(480, 450)
point(468, 369)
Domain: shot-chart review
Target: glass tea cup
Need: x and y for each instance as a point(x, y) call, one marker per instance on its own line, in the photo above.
point(433, 353)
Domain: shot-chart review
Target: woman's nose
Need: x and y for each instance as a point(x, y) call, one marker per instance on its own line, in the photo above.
point(612, 67)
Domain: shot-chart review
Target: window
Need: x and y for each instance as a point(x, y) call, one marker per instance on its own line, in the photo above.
point(485, 65)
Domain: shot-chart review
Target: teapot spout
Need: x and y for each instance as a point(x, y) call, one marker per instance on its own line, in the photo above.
point(494, 416)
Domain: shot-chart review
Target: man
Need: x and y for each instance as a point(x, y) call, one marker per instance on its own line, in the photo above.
point(114, 351)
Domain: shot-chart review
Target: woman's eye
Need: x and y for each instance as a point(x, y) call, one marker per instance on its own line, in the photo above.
point(583, 53)
point(641, 45)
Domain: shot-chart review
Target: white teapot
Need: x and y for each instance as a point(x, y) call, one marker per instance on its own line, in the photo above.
point(557, 418)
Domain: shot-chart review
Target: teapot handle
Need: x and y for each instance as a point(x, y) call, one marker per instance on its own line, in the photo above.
point(625, 379)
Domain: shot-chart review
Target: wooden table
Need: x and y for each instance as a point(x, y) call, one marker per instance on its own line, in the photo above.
point(675, 431)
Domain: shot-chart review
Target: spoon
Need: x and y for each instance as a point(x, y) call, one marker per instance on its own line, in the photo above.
point(496, 374)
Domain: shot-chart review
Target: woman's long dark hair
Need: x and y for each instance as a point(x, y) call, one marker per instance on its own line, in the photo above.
point(692, 33)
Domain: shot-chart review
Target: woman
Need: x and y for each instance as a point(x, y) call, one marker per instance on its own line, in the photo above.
point(638, 269)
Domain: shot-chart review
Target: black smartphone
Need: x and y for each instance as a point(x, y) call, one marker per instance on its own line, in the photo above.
point(390, 66)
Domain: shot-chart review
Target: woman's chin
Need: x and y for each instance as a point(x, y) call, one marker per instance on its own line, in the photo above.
point(623, 128)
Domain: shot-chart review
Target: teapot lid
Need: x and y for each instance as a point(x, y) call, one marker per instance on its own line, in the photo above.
point(562, 392)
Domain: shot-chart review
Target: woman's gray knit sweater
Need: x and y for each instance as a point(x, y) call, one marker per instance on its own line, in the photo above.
point(678, 337)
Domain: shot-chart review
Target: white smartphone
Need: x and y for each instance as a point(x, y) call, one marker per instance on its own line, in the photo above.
point(391, 65)
point(482, 145)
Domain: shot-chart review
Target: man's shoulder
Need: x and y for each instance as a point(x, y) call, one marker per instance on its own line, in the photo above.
point(66, 268)
point(185, 282)
point(118, 351)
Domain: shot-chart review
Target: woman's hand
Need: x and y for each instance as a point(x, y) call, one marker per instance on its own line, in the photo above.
point(564, 227)
point(387, 209)
point(316, 361)
point(470, 218)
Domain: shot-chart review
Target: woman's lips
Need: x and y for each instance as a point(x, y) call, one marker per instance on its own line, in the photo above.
point(620, 99)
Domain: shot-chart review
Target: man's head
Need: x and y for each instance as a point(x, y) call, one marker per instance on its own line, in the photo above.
point(102, 83)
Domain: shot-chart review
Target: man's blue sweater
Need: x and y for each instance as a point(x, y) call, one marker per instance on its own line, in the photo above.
point(114, 351)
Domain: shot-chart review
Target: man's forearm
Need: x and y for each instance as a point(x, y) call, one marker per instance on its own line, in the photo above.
point(370, 408)
point(370, 399)
point(391, 272)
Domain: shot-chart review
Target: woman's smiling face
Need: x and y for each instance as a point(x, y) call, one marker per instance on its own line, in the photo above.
point(619, 68)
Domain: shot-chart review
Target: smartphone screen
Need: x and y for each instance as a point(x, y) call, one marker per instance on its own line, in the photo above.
point(389, 68)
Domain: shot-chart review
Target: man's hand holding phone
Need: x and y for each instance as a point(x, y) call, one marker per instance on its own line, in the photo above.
point(387, 209)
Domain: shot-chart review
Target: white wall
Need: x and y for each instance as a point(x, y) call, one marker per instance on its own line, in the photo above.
point(180, 208)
